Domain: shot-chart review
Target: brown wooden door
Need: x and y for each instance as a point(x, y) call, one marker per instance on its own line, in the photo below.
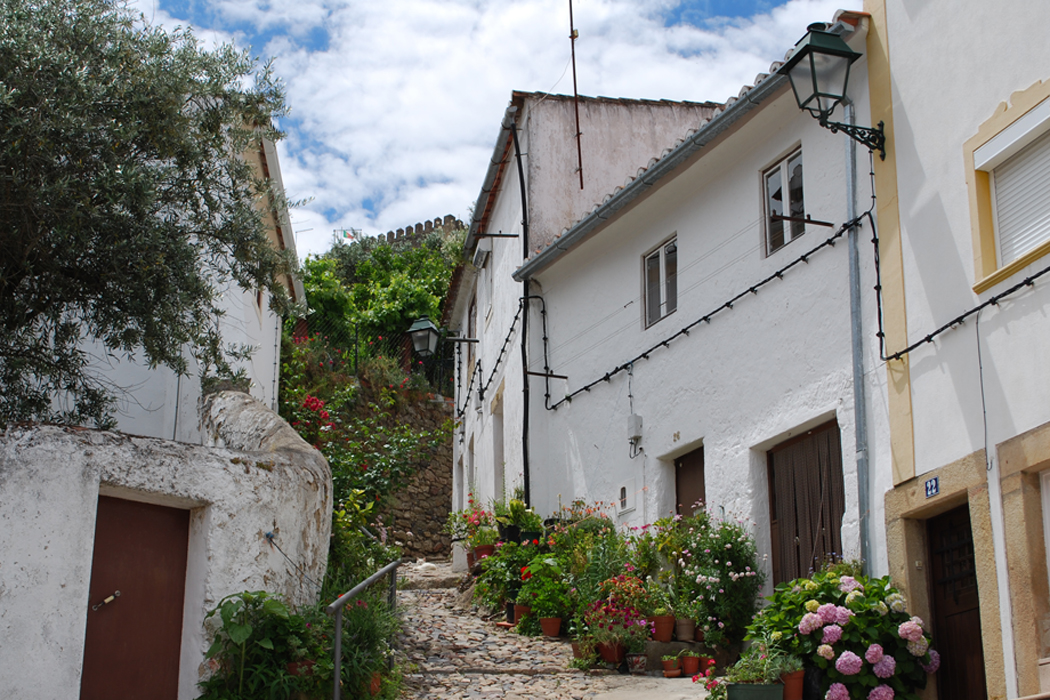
point(131, 650)
point(689, 481)
point(806, 501)
point(956, 611)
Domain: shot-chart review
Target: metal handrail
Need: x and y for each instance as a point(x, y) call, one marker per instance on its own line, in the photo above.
point(336, 609)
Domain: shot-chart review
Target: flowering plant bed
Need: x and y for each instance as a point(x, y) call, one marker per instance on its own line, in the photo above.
point(611, 623)
point(543, 588)
point(856, 630)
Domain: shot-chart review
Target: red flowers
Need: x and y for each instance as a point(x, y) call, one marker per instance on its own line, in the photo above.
point(312, 403)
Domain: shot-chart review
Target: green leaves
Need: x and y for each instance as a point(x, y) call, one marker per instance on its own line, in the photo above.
point(126, 207)
point(239, 634)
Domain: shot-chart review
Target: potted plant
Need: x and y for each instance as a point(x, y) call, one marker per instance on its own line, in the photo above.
point(792, 675)
point(544, 590)
point(691, 662)
point(582, 641)
point(483, 541)
point(855, 630)
point(519, 523)
point(661, 617)
point(672, 665)
point(614, 627)
point(756, 675)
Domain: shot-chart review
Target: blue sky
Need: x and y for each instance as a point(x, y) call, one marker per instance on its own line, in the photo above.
point(395, 103)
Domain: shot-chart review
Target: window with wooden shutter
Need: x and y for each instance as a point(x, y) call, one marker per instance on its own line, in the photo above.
point(806, 501)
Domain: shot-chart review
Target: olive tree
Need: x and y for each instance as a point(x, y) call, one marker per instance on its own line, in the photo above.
point(126, 206)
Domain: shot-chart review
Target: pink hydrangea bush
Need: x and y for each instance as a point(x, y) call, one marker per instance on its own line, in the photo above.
point(856, 630)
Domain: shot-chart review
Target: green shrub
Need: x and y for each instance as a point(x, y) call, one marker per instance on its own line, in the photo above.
point(856, 629)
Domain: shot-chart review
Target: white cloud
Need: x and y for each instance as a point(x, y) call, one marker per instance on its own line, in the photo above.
point(402, 106)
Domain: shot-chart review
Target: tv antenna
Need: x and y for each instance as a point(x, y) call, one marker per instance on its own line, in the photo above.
point(573, 35)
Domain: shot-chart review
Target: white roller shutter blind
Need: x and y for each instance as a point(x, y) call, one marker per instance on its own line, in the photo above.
point(1022, 200)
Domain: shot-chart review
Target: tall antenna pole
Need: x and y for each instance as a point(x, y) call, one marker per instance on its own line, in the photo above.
point(573, 35)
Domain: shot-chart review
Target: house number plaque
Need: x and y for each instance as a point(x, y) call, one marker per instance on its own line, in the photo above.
point(933, 487)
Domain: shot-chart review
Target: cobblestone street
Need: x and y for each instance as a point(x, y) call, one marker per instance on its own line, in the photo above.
point(453, 654)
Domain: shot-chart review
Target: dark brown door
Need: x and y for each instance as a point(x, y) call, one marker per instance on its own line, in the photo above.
point(131, 650)
point(689, 481)
point(806, 501)
point(956, 611)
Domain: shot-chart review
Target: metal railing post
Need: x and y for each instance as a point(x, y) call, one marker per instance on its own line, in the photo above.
point(336, 610)
point(337, 652)
point(393, 609)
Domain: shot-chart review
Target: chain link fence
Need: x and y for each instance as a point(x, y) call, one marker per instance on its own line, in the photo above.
point(383, 358)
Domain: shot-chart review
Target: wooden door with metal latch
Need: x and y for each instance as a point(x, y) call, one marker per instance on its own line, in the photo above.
point(956, 606)
point(136, 601)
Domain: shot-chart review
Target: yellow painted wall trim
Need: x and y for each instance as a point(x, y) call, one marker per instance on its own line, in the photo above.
point(964, 481)
point(987, 272)
point(1021, 458)
point(895, 322)
point(1016, 266)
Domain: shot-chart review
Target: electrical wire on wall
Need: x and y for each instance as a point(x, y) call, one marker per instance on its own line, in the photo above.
point(957, 321)
point(635, 450)
point(476, 373)
point(725, 306)
point(984, 404)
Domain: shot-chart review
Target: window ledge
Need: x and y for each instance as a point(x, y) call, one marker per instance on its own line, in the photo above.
point(1013, 268)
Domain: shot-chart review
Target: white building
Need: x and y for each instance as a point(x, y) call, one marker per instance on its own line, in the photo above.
point(161, 403)
point(618, 137)
point(118, 546)
point(963, 212)
point(706, 340)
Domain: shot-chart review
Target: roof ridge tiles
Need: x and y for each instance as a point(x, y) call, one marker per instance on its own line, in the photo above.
point(719, 108)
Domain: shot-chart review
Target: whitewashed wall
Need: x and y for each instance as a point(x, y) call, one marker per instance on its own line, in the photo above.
point(983, 44)
point(993, 53)
point(51, 478)
point(621, 136)
point(776, 364)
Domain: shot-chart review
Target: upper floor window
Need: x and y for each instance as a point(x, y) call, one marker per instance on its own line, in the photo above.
point(661, 282)
point(1021, 202)
point(785, 205)
point(1008, 178)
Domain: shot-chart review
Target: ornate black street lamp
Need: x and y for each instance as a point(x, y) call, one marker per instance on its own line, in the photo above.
point(819, 73)
point(424, 336)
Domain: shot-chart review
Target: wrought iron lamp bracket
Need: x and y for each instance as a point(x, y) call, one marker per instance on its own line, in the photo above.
point(873, 138)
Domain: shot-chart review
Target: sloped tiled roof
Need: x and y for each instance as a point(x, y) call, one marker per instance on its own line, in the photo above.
point(749, 97)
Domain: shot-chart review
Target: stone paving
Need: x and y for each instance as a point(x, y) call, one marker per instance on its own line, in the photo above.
point(454, 654)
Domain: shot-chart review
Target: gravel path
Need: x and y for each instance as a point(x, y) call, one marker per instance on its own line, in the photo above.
point(453, 654)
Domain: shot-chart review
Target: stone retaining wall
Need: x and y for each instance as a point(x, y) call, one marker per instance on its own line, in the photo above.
point(423, 504)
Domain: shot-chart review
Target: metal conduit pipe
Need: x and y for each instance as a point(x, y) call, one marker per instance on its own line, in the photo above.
point(860, 412)
point(524, 322)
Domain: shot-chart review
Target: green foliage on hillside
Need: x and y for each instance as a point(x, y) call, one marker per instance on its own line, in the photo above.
point(380, 287)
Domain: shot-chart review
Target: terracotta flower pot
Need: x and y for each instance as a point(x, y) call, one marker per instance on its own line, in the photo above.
point(673, 673)
point(521, 611)
point(484, 550)
point(690, 665)
point(613, 653)
point(793, 683)
point(671, 665)
point(376, 685)
point(755, 691)
point(577, 652)
point(638, 664)
point(301, 668)
point(698, 635)
point(551, 626)
point(685, 629)
point(664, 627)
point(470, 559)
